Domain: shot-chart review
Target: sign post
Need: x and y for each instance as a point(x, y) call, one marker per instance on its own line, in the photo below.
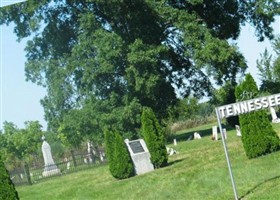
point(226, 153)
point(238, 108)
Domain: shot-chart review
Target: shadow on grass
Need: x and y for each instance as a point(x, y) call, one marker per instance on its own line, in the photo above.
point(257, 186)
point(174, 162)
point(188, 135)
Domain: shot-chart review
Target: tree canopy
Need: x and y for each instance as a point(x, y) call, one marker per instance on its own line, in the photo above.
point(118, 56)
point(269, 69)
point(20, 144)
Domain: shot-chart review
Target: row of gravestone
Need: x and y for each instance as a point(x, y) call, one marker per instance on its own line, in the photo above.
point(138, 150)
point(50, 167)
point(274, 117)
point(196, 135)
point(141, 157)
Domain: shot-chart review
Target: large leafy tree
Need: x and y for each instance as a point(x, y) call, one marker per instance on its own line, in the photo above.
point(269, 69)
point(225, 95)
point(125, 54)
point(21, 144)
point(188, 108)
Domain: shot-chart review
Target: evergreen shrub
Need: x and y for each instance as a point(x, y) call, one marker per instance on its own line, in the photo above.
point(154, 137)
point(7, 188)
point(120, 163)
point(258, 136)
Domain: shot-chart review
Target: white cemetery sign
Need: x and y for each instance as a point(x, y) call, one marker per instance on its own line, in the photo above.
point(50, 167)
point(140, 156)
point(238, 108)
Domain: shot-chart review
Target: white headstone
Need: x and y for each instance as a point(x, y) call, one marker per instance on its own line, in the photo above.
point(68, 165)
point(140, 156)
point(101, 155)
point(175, 142)
point(50, 167)
point(225, 133)
point(196, 136)
point(215, 132)
point(275, 119)
point(89, 147)
point(238, 131)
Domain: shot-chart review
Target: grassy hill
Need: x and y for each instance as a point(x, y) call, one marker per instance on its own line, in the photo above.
point(197, 171)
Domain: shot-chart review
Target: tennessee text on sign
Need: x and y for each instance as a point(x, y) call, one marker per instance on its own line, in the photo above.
point(248, 106)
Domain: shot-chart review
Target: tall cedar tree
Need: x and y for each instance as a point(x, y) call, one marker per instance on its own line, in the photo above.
point(258, 136)
point(154, 137)
point(120, 163)
point(7, 188)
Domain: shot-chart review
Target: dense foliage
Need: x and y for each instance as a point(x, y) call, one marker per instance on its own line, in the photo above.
point(258, 136)
point(7, 188)
point(154, 137)
point(223, 96)
point(19, 145)
point(118, 56)
point(120, 163)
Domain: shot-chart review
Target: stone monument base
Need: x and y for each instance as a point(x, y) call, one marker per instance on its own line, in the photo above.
point(142, 163)
point(52, 172)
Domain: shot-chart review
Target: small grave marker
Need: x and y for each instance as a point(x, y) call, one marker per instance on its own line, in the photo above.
point(175, 142)
point(196, 136)
point(215, 133)
point(225, 132)
point(238, 131)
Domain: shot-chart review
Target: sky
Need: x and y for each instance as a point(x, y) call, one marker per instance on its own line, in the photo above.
point(20, 100)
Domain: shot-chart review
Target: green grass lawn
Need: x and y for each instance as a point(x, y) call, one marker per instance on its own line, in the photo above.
point(198, 171)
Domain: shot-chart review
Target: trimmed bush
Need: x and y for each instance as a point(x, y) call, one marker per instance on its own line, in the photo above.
point(120, 163)
point(258, 136)
point(154, 137)
point(7, 188)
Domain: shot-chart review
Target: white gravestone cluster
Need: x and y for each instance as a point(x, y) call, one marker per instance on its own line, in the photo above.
point(50, 167)
point(170, 151)
point(140, 156)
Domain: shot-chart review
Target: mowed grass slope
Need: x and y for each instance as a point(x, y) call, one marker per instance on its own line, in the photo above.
point(198, 171)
